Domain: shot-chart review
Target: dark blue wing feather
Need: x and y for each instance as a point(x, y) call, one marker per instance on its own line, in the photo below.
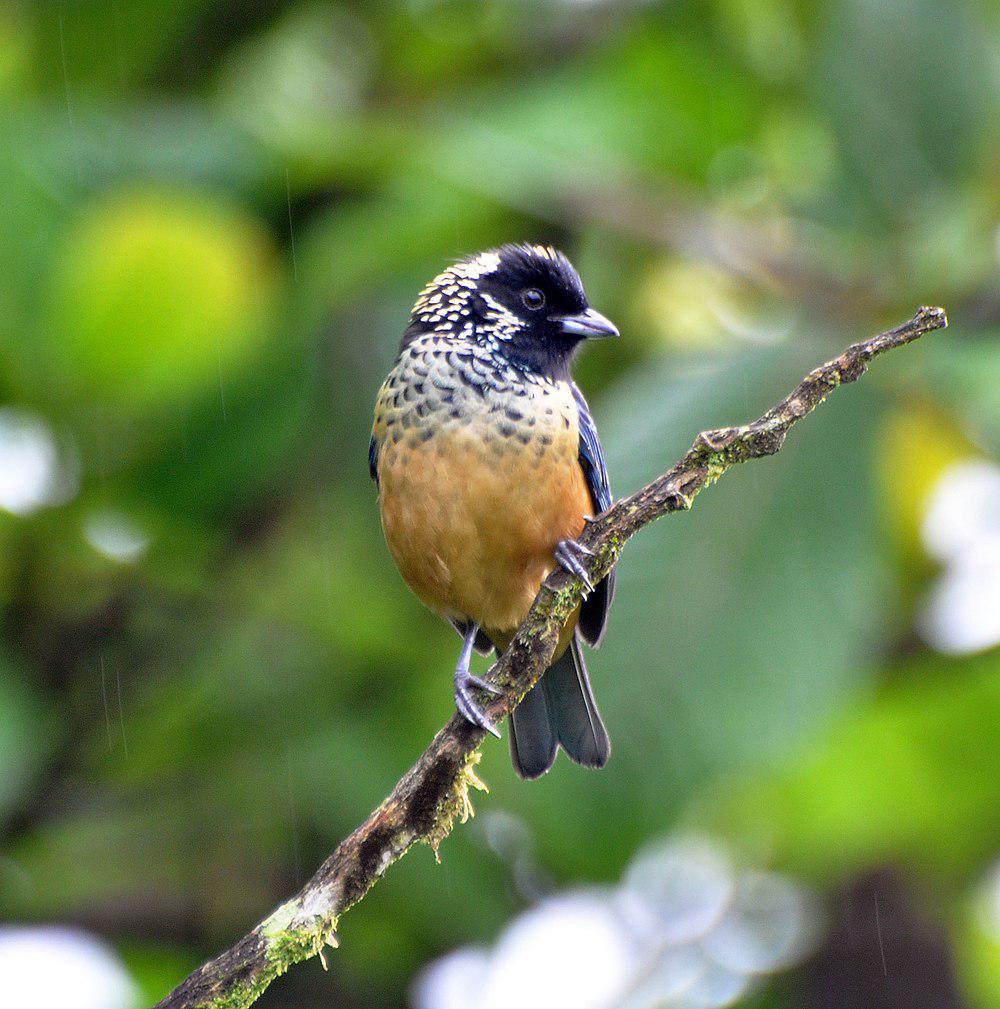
point(592, 455)
point(373, 459)
point(594, 611)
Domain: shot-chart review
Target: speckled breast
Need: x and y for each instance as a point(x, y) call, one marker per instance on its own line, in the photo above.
point(479, 479)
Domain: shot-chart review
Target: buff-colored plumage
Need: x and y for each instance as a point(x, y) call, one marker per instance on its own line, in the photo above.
point(477, 486)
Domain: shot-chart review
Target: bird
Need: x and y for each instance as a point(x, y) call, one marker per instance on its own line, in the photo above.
point(488, 466)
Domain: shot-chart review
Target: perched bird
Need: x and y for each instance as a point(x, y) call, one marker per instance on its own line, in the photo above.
point(488, 466)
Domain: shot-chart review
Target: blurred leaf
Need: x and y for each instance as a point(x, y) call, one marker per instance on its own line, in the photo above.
point(98, 47)
point(978, 944)
point(429, 222)
point(15, 50)
point(158, 295)
point(523, 148)
point(768, 32)
point(69, 866)
point(317, 577)
point(298, 79)
point(910, 776)
point(155, 968)
point(906, 86)
point(965, 374)
point(27, 734)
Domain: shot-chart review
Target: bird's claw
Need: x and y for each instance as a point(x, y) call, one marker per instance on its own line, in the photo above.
point(467, 707)
point(477, 681)
point(568, 554)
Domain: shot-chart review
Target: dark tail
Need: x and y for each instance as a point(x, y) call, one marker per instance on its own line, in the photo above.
point(559, 711)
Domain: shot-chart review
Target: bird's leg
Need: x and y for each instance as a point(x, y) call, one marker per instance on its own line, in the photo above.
point(568, 554)
point(465, 681)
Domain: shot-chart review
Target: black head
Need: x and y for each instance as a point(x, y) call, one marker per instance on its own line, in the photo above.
point(525, 302)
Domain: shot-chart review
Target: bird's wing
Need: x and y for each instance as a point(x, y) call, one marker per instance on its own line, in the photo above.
point(594, 610)
point(373, 459)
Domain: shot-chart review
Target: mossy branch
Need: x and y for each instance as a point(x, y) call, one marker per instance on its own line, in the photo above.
point(435, 791)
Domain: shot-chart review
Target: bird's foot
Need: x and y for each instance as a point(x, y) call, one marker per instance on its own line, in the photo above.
point(467, 707)
point(568, 554)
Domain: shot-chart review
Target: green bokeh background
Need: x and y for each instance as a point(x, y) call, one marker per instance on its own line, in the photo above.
point(215, 220)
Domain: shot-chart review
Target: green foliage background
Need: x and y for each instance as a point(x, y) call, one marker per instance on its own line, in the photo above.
point(216, 218)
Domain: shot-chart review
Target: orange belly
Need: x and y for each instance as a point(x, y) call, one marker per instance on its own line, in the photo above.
point(472, 521)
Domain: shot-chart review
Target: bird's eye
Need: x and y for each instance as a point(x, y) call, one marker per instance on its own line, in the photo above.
point(533, 298)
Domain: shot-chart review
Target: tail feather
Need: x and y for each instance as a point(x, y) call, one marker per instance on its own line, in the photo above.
point(577, 721)
point(559, 709)
point(532, 736)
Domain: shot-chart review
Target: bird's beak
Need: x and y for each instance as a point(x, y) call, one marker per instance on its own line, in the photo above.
point(588, 324)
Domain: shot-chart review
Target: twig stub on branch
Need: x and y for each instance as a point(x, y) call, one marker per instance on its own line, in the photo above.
point(434, 792)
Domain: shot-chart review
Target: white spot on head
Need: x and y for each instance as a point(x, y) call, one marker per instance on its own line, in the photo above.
point(454, 287)
point(545, 251)
point(486, 262)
